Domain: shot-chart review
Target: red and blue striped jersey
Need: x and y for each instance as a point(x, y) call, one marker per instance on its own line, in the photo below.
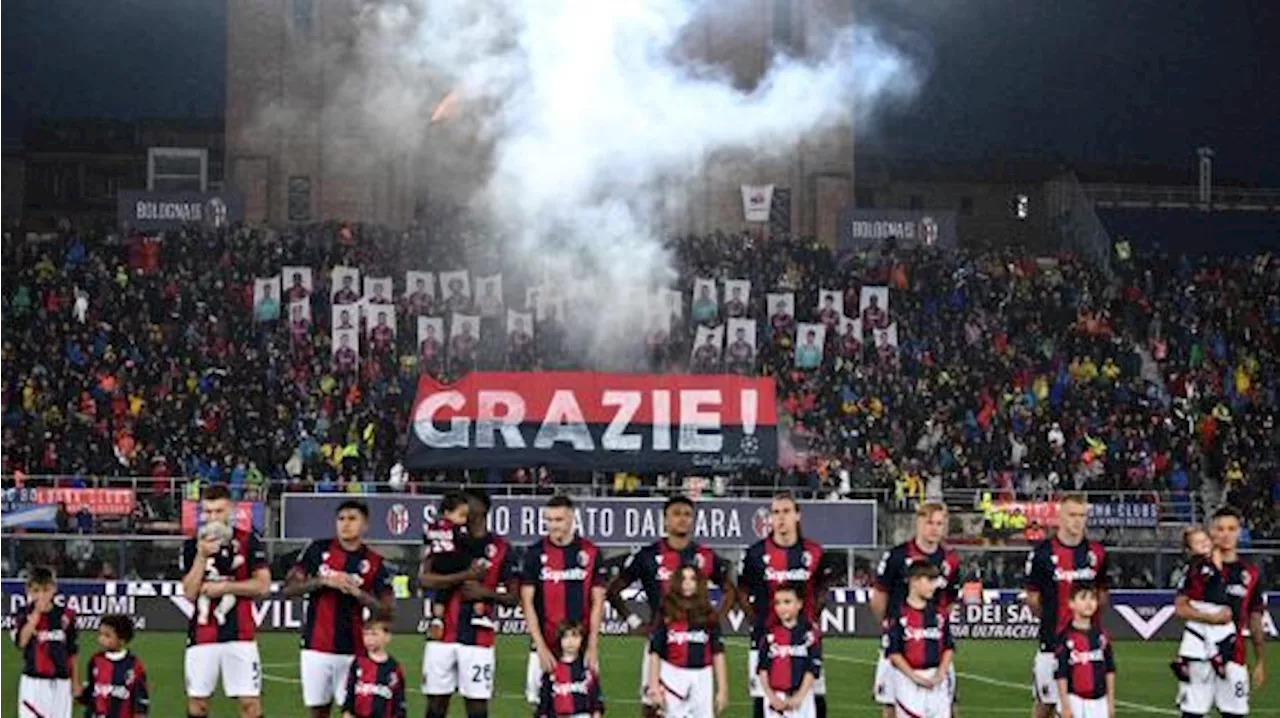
point(787, 654)
point(766, 567)
point(920, 635)
point(1236, 585)
point(891, 574)
point(53, 647)
point(684, 645)
point(335, 620)
point(563, 578)
point(1052, 569)
point(570, 689)
point(375, 689)
point(496, 551)
point(444, 542)
point(116, 687)
point(656, 564)
point(1084, 660)
point(235, 561)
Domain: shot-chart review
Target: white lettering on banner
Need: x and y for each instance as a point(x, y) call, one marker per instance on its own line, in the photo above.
point(1146, 627)
point(693, 419)
point(615, 438)
point(508, 423)
point(836, 620)
point(661, 421)
point(424, 421)
point(564, 422)
point(502, 412)
point(83, 604)
point(176, 211)
point(883, 229)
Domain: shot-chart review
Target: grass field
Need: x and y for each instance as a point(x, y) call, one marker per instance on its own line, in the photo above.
point(994, 677)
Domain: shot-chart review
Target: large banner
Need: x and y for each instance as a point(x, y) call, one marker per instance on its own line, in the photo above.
point(148, 211)
point(99, 502)
point(1111, 514)
point(160, 606)
point(582, 420)
point(719, 523)
point(862, 229)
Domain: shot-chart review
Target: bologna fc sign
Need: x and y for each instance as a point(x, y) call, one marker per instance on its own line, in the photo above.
point(581, 420)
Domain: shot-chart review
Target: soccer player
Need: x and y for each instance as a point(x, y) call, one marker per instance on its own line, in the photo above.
point(656, 565)
point(220, 562)
point(463, 658)
point(919, 646)
point(375, 680)
point(1086, 672)
point(781, 560)
point(1226, 581)
point(892, 585)
point(571, 689)
point(562, 580)
point(686, 652)
point(343, 577)
point(790, 652)
point(45, 632)
point(117, 685)
point(1053, 567)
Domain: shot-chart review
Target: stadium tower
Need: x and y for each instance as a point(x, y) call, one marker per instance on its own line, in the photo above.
point(295, 154)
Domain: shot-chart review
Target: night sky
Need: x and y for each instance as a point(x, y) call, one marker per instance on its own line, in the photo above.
point(1086, 80)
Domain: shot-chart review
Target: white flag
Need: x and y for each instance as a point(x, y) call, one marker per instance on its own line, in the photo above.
point(756, 200)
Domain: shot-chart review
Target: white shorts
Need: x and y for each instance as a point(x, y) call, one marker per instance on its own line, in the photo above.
point(1206, 690)
point(44, 697)
point(450, 667)
point(753, 681)
point(1044, 686)
point(1088, 707)
point(533, 679)
point(807, 709)
point(884, 685)
point(324, 677)
point(236, 661)
point(915, 701)
point(687, 692)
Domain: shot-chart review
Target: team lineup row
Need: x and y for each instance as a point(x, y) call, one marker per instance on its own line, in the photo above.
point(561, 583)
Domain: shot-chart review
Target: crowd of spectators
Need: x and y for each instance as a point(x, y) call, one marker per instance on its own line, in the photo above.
point(1015, 374)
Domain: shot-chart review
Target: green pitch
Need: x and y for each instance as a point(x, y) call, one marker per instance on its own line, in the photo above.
point(994, 677)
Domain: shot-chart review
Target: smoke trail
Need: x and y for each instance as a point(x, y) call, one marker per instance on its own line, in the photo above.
point(585, 108)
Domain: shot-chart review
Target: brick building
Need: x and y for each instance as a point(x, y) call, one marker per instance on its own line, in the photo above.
point(313, 165)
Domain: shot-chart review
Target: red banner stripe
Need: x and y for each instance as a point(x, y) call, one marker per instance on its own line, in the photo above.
point(600, 398)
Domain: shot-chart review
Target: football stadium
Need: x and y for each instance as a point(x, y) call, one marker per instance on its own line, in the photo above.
point(385, 358)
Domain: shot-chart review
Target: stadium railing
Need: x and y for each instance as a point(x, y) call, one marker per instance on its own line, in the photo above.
point(151, 558)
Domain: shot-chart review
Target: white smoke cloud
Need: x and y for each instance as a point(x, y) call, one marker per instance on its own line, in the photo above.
point(586, 109)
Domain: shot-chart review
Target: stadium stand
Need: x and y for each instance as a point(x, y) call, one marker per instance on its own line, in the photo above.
point(1014, 373)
